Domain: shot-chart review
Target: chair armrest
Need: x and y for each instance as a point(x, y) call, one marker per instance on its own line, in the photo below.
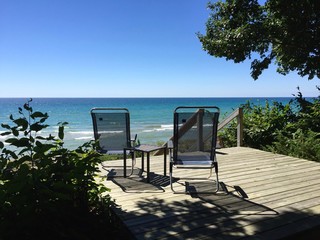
point(170, 148)
point(133, 139)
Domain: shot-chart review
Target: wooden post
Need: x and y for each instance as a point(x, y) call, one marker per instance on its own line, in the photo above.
point(200, 130)
point(240, 127)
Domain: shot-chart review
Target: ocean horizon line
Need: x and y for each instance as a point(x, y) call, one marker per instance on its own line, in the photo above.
point(150, 97)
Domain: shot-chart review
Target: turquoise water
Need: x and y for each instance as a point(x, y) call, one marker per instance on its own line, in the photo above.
point(151, 118)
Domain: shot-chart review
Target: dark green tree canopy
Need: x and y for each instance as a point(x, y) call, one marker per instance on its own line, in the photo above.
point(284, 32)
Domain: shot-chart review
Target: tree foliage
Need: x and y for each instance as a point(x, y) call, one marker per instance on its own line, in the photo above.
point(46, 190)
point(283, 32)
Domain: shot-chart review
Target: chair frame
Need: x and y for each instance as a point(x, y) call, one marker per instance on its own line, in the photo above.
point(130, 141)
point(178, 132)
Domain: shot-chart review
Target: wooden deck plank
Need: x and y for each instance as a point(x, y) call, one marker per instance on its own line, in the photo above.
point(283, 192)
point(246, 225)
point(206, 217)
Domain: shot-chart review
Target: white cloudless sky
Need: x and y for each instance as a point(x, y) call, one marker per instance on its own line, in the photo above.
point(122, 48)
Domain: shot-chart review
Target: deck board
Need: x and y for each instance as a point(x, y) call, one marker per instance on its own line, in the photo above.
point(283, 198)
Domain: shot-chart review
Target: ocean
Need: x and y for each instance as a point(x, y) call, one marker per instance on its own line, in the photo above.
point(151, 118)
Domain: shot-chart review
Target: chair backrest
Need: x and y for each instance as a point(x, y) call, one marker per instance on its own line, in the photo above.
point(195, 130)
point(111, 126)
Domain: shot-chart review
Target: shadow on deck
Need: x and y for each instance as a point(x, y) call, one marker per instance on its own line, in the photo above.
point(269, 197)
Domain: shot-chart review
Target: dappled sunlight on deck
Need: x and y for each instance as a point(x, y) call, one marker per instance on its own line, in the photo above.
point(269, 196)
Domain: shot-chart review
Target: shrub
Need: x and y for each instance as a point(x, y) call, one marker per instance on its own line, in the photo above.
point(262, 122)
point(301, 144)
point(292, 129)
point(46, 190)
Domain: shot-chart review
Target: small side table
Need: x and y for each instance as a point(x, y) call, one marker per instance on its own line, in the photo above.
point(147, 149)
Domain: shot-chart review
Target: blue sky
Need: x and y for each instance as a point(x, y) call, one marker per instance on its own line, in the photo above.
point(121, 48)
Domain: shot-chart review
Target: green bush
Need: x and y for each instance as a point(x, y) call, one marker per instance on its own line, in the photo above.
point(46, 190)
point(262, 123)
point(292, 129)
point(301, 144)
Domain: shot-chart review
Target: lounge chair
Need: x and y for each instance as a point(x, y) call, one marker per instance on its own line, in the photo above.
point(111, 127)
point(194, 141)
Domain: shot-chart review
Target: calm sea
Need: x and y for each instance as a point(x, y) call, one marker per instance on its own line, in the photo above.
point(151, 118)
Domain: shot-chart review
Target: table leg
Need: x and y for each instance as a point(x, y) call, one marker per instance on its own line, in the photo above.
point(165, 161)
point(148, 167)
point(142, 161)
point(124, 163)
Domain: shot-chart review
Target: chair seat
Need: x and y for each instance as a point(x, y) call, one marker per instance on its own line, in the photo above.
point(194, 158)
point(111, 152)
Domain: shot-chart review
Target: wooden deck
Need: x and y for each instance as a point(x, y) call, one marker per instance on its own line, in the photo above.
point(271, 196)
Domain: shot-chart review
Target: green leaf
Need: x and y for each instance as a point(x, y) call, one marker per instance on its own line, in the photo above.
point(5, 133)
point(50, 137)
point(42, 120)
point(63, 123)
point(27, 107)
point(5, 126)
point(61, 132)
point(37, 127)
point(11, 140)
point(1, 145)
point(15, 132)
point(39, 115)
point(22, 142)
point(39, 144)
point(41, 138)
point(21, 122)
point(25, 157)
point(13, 155)
point(24, 169)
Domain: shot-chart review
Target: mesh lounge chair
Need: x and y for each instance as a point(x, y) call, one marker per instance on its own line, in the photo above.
point(194, 140)
point(111, 127)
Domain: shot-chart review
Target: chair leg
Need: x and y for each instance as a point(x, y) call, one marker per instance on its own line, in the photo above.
point(171, 168)
point(133, 157)
point(216, 172)
point(217, 176)
point(171, 179)
point(171, 185)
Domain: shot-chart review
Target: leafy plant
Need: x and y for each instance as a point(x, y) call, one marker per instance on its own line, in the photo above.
point(262, 122)
point(291, 129)
point(46, 190)
point(300, 144)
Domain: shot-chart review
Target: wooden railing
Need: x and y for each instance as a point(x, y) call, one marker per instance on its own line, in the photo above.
point(238, 114)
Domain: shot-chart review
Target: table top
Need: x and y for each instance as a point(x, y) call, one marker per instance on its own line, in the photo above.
point(148, 148)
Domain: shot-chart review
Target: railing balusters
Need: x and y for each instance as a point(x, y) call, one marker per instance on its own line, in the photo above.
point(238, 114)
